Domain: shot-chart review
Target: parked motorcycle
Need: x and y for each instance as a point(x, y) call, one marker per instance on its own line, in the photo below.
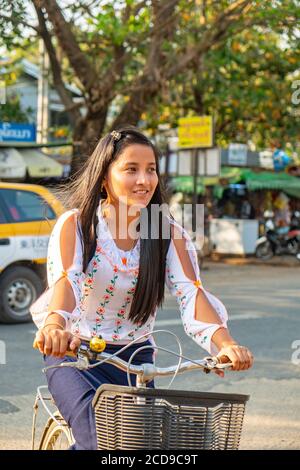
point(278, 241)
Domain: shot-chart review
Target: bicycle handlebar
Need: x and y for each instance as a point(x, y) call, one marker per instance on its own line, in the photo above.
point(148, 372)
point(145, 372)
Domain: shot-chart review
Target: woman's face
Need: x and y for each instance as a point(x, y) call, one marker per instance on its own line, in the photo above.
point(132, 177)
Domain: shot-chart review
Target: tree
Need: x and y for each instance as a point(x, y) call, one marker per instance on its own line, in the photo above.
point(124, 54)
point(246, 84)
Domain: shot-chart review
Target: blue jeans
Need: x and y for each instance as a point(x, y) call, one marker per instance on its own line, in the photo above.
point(73, 390)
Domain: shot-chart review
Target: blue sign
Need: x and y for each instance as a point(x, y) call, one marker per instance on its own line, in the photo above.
point(11, 131)
point(280, 160)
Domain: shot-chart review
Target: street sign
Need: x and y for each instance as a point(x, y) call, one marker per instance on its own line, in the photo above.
point(11, 131)
point(237, 154)
point(266, 159)
point(195, 132)
point(252, 158)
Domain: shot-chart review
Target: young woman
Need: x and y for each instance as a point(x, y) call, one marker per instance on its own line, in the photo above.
point(107, 278)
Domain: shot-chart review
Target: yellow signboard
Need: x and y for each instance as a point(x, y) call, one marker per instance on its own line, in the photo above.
point(195, 132)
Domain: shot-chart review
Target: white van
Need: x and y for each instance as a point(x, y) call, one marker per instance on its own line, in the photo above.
point(28, 213)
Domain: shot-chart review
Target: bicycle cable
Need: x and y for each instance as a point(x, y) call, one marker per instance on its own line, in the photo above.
point(162, 349)
point(156, 347)
point(180, 355)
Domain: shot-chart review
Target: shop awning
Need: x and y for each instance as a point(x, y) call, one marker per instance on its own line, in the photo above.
point(232, 174)
point(268, 180)
point(185, 184)
point(12, 164)
point(254, 181)
point(40, 165)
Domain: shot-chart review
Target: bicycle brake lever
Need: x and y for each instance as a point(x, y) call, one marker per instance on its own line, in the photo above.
point(211, 363)
point(214, 363)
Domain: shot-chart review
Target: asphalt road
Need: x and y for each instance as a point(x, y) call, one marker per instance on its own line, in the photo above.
point(263, 304)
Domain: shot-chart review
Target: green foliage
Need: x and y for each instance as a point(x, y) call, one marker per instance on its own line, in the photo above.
point(245, 83)
point(244, 78)
point(11, 111)
point(12, 33)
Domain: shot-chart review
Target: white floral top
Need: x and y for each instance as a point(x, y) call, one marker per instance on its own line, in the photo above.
point(104, 293)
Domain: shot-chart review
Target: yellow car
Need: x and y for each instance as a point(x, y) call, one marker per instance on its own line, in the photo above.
point(28, 213)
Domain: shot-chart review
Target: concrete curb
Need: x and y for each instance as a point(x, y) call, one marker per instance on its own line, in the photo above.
point(288, 262)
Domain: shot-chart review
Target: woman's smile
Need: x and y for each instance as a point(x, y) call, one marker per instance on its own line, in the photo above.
point(141, 193)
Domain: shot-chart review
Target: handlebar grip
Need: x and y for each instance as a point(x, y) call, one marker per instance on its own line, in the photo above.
point(68, 352)
point(223, 359)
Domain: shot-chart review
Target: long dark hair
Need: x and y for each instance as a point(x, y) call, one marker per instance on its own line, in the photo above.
point(84, 193)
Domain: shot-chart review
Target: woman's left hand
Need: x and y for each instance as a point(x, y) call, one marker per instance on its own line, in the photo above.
point(240, 356)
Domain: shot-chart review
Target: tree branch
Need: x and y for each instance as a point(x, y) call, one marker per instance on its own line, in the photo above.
point(78, 60)
point(132, 10)
point(213, 35)
point(16, 21)
point(146, 86)
point(101, 90)
point(87, 7)
point(144, 89)
point(65, 95)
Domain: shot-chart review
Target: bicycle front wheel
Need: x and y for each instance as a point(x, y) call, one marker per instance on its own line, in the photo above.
point(56, 436)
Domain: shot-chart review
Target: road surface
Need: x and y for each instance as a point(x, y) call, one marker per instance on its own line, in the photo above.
point(263, 304)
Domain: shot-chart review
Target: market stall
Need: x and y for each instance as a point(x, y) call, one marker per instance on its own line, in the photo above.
point(235, 203)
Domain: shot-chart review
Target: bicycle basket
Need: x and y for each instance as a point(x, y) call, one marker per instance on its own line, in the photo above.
point(132, 418)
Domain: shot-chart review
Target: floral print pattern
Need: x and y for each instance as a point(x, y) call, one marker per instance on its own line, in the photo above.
point(180, 295)
point(89, 280)
point(109, 292)
point(122, 313)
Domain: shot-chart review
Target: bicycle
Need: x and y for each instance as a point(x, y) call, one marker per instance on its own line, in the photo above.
point(132, 418)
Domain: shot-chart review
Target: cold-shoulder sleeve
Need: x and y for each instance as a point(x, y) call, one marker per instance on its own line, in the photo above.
point(184, 283)
point(64, 260)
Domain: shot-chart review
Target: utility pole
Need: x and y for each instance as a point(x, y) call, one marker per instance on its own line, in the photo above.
point(43, 96)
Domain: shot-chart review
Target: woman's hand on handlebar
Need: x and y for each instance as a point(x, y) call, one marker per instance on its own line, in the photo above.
point(56, 342)
point(240, 356)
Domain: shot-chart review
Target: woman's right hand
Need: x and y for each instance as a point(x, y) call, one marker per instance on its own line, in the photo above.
point(240, 356)
point(56, 342)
